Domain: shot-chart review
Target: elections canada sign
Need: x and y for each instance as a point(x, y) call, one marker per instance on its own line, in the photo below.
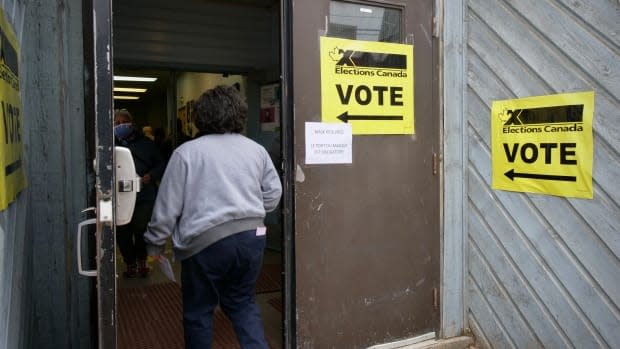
point(12, 174)
point(544, 144)
point(367, 84)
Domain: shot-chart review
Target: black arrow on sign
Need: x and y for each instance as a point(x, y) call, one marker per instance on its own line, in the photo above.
point(345, 117)
point(512, 174)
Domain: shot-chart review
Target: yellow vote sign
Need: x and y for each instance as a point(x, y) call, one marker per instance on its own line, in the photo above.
point(544, 144)
point(367, 84)
point(12, 176)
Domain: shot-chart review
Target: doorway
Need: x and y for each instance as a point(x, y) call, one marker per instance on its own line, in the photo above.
point(156, 296)
point(188, 47)
point(362, 266)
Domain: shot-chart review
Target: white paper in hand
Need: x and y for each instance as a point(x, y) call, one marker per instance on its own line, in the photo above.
point(166, 268)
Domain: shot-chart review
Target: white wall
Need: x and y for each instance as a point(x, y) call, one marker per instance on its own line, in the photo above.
point(191, 85)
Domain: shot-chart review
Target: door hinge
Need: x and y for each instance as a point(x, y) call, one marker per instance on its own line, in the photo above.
point(435, 298)
point(435, 164)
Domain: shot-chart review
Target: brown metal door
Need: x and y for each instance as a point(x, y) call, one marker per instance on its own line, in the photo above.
point(366, 233)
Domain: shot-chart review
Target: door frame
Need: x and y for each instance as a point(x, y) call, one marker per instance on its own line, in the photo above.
point(454, 220)
point(97, 14)
point(288, 159)
point(451, 19)
point(452, 311)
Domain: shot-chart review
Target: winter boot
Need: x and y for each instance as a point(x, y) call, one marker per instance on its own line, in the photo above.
point(131, 272)
point(143, 268)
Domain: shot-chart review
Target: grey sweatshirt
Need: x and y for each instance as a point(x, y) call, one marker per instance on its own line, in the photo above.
point(214, 186)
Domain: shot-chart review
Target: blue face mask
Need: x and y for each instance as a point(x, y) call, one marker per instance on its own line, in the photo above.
point(123, 131)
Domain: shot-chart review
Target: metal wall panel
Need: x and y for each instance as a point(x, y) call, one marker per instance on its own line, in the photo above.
point(543, 271)
point(192, 33)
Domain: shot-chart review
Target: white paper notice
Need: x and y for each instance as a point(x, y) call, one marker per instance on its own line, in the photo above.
point(166, 268)
point(328, 143)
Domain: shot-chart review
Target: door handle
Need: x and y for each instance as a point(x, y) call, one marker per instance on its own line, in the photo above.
point(81, 225)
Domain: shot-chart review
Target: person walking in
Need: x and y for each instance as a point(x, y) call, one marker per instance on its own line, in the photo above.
point(150, 166)
point(212, 201)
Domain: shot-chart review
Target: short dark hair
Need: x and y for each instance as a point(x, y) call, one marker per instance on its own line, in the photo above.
point(220, 110)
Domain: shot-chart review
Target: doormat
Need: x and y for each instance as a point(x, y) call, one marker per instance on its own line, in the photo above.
point(276, 303)
point(269, 279)
point(151, 317)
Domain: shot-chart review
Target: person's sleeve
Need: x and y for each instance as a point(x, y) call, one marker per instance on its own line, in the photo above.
point(270, 184)
point(168, 206)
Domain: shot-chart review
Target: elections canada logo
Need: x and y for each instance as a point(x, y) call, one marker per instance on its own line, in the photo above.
point(8, 54)
point(350, 62)
point(565, 118)
point(9, 70)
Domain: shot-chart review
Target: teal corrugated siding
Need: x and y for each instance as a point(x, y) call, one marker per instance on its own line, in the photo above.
point(43, 302)
point(543, 271)
point(14, 246)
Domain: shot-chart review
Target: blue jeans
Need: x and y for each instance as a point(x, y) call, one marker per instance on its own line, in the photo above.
point(224, 273)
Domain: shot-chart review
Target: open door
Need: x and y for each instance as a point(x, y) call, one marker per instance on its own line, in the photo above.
point(104, 172)
point(367, 234)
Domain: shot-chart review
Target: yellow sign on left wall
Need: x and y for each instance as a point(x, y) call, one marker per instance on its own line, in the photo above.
point(12, 174)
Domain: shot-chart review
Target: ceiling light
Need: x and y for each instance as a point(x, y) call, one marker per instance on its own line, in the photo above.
point(129, 89)
point(127, 97)
point(134, 78)
point(365, 10)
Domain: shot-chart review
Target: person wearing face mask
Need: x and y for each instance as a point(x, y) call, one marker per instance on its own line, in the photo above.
point(150, 167)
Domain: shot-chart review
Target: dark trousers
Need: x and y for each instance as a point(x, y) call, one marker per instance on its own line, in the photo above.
point(130, 237)
point(224, 273)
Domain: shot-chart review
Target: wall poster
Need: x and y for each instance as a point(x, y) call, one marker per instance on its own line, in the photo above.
point(544, 144)
point(368, 85)
point(12, 174)
point(270, 98)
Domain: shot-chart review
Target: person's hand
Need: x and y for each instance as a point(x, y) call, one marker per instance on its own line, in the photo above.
point(146, 179)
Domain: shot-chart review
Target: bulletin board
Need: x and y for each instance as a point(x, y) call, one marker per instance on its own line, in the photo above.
point(184, 114)
point(270, 106)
